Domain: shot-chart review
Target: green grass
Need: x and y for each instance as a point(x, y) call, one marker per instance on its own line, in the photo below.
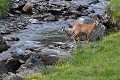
point(4, 5)
point(116, 9)
point(89, 63)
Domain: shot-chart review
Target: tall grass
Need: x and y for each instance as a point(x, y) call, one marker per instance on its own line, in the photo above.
point(4, 6)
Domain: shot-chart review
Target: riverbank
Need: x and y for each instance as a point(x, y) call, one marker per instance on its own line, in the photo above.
point(99, 62)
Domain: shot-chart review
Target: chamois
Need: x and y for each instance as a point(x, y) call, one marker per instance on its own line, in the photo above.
point(69, 33)
point(83, 29)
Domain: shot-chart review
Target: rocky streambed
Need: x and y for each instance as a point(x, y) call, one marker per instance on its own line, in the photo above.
point(35, 40)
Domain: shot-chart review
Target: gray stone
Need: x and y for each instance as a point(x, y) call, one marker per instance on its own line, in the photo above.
point(3, 69)
point(13, 77)
point(85, 20)
point(3, 44)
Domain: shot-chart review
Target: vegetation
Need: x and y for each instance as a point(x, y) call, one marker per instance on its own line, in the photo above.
point(116, 8)
point(4, 6)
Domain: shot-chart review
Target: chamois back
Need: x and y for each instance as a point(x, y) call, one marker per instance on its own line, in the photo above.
point(86, 29)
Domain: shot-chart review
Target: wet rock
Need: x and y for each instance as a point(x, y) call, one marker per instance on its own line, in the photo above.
point(33, 61)
point(51, 46)
point(31, 66)
point(49, 56)
point(58, 44)
point(27, 7)
point(3, 69)
point(3, 45)
point(50, 18)
point(12, 65)
point(33, 21)
point(98, 32)
point(94, 2)
point(12, 39)
point(13, 77)
point(10, 15)
point(85, 20)
point(66, 45)
point(94, 16)
point(15, 5)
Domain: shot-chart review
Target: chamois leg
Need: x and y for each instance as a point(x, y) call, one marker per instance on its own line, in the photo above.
point(68, 38)
point(75, 38)
point(87, 38)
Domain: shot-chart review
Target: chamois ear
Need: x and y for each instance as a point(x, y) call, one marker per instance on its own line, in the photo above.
point(63, 27)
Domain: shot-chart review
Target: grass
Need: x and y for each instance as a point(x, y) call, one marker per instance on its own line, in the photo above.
point(116, 9)
point(4, 6)
point(89, 63)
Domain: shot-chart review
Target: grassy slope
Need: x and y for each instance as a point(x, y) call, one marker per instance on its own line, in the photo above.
point(4, 5)
point(101, 63)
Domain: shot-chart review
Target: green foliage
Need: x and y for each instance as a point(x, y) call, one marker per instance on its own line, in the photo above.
point(4, 6)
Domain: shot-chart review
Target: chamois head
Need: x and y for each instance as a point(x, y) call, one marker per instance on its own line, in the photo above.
point(96, 21)
point(63, 29)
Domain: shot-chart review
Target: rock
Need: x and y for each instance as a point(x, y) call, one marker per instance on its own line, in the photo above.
point(3, 69)
point(98, 32)
point(13, 77)
point(27, 7)
point(50, 18)
point(31, 66)
point(51, 46)
point(13, 64)
point(64, 45)
point(12, 39)
point(33, 61)
point(3, 45)
point(49, 56)
point(14, 5)
point(33, 21)
point(85, 20)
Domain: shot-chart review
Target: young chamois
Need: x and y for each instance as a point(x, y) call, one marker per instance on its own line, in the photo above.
point(83, 29)
point(69, 32)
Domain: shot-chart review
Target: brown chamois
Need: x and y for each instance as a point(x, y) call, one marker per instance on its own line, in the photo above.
point(69, 32)
point(83, 29)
